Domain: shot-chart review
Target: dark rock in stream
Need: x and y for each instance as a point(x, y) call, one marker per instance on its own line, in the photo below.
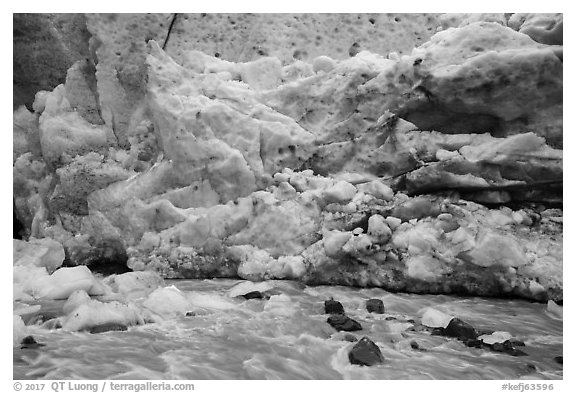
point(333, 307)
point(52, 324)
point(508, 348)
point(474, 343)
point(258, 295)
point(437, 331)
point(365, 353)
point(559, 359)
point(375, 306)
point(460, 329)
point(517, 343)
point(351, 338)
point(29, 342)
point(40, 318)
point(108, 327)
point(344, 323)
point(253, 295)
point(415, 346)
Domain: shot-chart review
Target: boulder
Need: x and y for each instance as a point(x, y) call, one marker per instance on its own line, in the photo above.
point(508, 348)
point(365, 353)
point(460, 329)
point(343, 323)
point(333, 307)
point(375, 306)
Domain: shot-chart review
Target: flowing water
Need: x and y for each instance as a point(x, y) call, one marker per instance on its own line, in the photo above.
point(288, 338)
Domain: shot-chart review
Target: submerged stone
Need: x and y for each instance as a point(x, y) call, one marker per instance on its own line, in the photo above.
point(415, 346)
point(350, 337)
point(365, 353)
point(29, 342)
point(247, 287)
point(108, 327)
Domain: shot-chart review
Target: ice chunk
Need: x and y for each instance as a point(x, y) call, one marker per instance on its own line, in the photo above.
point(377, 189)
point(210, 301)
point(445, 155)
point(434, 318)
point(554, 310)
point(27, 310)
point(334, 241)
point(393, 222)
point(291, 266)
point(280, 305)
point(378, 228)
point(46, 253)
point(254, 262)
point(358, 245)
point(424, 267)
point(421, 238)
point(75, 299)
point(264, 73)
point(496, 337)
point(19, 330)
point(323, 63)
point(341, 192)
point(249, 286)
point(18, 293)
point(134, 284)
point(167, 301)
point(27, 279)
point(497, 249)
point(66, 280)
point(500, 149)
point(95, 313)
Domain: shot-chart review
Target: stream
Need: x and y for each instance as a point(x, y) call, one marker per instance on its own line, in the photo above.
point(287, 337)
